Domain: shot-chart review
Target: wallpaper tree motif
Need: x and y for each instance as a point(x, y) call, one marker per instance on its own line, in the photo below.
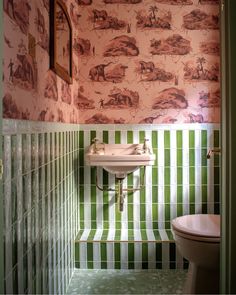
point(134, 61)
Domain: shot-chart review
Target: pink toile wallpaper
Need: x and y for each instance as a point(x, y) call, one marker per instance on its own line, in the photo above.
point(134, 61)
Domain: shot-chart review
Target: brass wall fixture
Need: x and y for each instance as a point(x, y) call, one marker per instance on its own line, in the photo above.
point(216, 151)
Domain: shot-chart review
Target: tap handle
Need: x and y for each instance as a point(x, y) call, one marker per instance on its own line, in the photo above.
point(95, 140)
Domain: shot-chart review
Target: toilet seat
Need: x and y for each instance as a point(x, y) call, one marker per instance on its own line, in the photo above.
point(198, 227)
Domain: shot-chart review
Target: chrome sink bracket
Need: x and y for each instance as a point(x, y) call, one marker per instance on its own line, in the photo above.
point(106, 189)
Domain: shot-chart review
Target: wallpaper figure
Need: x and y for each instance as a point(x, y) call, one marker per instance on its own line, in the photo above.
point(82, 102)
point(46, 4)
point(65, 92)
point(175, 2)
point(11, 71)
point(152, 20)
point(171, 98)
point(74, 15)
point(10, 109)
point(51, 90)
point(192, 118)
point(198, 71)
point(209, 99)
point(81, 46)
point(122, 99)
point(116, 74)
point(210, 47)
point(149, 72)
point(19, 12)
point(108, 73)
point(42, 115)
point(97, 73)
point(41, 28)
point(173, 45)
point(25, 74)
point(84, 2)
point(149, 120)
point(75, 70)
point(8, 42)
point(99, 118)
point(122, 1)
point(216, 2)
point(60, 115)
point(122, 45)
point(103, 21)
point(169, 120)
point(200, 20)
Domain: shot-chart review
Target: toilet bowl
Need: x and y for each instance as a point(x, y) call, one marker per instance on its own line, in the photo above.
point(197, 238)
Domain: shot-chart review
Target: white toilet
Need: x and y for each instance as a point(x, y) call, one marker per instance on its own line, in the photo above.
point(198, 240)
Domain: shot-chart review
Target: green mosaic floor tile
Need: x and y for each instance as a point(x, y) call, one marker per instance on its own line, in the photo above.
point(127, 282)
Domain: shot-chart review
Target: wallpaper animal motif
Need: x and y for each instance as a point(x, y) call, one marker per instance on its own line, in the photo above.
point(134, 61)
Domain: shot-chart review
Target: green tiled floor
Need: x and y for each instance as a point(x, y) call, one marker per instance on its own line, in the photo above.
point(127, 282)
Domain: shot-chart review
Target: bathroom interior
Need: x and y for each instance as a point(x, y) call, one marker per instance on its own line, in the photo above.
point(84, 78)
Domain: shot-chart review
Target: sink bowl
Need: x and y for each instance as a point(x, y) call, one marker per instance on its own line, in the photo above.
point(119, 159)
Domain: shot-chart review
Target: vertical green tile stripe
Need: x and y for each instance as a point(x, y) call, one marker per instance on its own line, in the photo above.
point(204, 138)
point(191, 139)
point(154, 146)
point(131, 255)
point(81, 139)
point(191, 171)
point(90, 255)
point(130, 216)
point(144, 255)
point(103, 250)
point(117, 137)
point(117, 255)
point(130, 196)
point(216, 138)
point(179, 139)
point(117, 213)
point(167, 171)
point(105, 136)
point(154, 139)
point(166, 139)
point(204, 170)
point(130, 137)
point(141, 136)
point(216, 145)
point(93, 135)
point(179, 144)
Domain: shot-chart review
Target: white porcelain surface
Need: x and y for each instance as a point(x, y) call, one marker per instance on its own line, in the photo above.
point(119, 158)
point(205, 225)
point(197, 238)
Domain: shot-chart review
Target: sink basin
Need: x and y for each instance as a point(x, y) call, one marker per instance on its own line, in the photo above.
point(119, 159)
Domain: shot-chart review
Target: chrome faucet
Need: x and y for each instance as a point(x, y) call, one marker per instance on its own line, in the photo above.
point(146, 148)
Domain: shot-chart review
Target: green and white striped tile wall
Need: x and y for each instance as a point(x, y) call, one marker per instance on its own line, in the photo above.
point(40, 205)
point(182, 181)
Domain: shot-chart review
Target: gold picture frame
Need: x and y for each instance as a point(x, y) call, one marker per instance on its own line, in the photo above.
point(60, 40)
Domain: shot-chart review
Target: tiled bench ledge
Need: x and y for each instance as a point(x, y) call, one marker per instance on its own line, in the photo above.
point(127, 249)
point(124, 235)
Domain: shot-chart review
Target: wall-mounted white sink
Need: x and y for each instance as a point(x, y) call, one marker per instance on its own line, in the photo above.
point(119, 159)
